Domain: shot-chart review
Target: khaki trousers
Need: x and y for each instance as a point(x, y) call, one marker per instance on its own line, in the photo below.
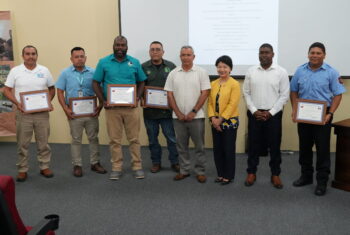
point(26, 124)
point(77, 126)
point(116, 119)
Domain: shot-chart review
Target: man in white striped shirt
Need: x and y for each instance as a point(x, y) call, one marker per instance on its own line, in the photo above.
point(266, 90)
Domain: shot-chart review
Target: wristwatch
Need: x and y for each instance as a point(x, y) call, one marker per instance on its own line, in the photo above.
point(331, 113)
point(194, 111)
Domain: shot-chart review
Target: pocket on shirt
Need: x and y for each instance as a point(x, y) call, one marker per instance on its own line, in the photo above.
point(323, 85)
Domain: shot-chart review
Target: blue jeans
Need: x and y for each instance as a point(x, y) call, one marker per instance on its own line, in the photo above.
point(152, 127)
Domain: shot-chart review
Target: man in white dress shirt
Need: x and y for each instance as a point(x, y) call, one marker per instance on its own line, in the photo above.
point(266, 90)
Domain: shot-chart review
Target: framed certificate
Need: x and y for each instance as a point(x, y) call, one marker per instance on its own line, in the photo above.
point(155, 97)
point(83, 106)
point(35, 101)
point(311, 111)
point(121, 95)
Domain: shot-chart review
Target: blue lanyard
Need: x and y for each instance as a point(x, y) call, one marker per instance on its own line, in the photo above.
point(80, 79)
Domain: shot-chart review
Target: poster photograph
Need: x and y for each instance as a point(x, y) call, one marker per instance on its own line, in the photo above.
point(7, 116)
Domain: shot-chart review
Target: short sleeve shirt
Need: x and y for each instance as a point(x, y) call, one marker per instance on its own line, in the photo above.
point(72, 81)
point(22, 79)
point(321, 84)
point(111, 71)
point(186, 87)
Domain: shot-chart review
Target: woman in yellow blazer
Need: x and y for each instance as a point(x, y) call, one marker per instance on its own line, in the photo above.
point(223, 114)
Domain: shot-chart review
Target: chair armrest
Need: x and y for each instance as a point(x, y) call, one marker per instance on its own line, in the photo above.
point(49, 223)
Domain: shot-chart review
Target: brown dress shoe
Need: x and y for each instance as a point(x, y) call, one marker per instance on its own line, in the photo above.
point(47, 173)
point(155, 168)
point(98, 168)
point(21, 177)
point(77, 171)
point(201, 178)
point(276, 181)
point(250, 180)
point(175, 167)
point(181, 176)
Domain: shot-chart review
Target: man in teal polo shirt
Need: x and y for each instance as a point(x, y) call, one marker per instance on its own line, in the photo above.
point(76, 81)
point(120, 68)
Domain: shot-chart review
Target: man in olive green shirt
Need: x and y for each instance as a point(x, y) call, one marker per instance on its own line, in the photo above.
point(157, 70)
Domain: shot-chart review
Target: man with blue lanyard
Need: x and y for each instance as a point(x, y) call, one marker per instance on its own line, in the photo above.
point(76, 81)
point(120, 68)
point(316, 80)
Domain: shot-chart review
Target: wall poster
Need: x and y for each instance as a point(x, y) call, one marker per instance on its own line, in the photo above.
point(7, 115)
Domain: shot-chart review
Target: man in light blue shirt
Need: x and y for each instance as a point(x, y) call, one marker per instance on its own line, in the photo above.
point(76, 81)
point(318, 81)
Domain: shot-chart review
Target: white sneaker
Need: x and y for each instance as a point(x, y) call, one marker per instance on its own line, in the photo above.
point(115, 175)
point(139, 174)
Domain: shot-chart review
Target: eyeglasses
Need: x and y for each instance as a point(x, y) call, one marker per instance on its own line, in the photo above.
point(155, 49)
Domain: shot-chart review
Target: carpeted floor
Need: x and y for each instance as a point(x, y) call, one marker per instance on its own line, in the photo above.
point(94, 204)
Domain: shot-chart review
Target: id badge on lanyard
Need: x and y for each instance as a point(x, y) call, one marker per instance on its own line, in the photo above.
point(80, 93)
point(80, 80)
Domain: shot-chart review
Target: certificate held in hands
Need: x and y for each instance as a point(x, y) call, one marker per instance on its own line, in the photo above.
point(83, 106)
point(311, 111)
point(121, 95)
point(155, 97)
point(35, 101)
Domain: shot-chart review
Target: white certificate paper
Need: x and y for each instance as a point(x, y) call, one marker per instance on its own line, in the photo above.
point(35, 101)
point(157, 97)
point(122, 95)
point(83, 107)
point(310, 112)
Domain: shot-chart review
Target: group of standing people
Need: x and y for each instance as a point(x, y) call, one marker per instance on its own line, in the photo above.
point(266, 89)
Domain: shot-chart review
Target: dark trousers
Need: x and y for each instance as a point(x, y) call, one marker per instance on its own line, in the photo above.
point(260, 131)
point(152, 128)
point(225, 152)
point(309, 135)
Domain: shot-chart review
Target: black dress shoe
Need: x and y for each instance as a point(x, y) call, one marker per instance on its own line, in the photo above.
point(320, 190)
point(302, 181)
